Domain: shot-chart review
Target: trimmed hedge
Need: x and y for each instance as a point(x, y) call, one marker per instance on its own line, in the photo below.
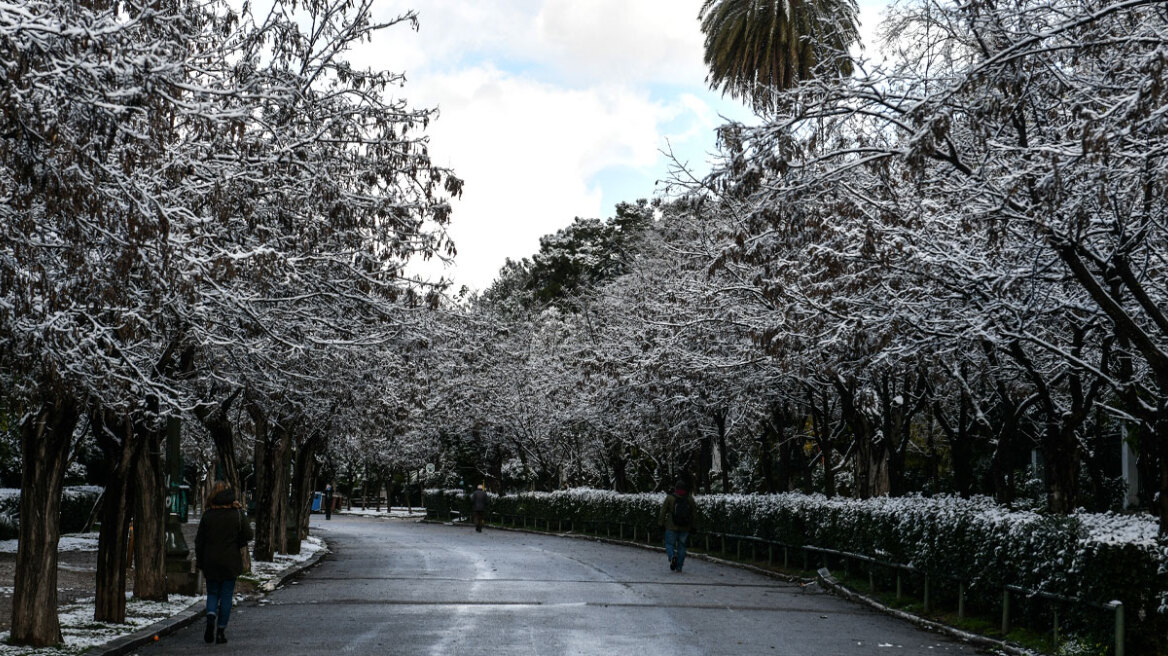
point(1093, 557)
point(76, 506)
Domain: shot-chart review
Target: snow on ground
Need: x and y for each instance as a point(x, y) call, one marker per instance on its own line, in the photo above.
point(70, 542)
point(82, 633)
point(264, 573)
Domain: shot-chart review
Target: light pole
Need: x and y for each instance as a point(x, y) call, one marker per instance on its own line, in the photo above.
point(180, 578)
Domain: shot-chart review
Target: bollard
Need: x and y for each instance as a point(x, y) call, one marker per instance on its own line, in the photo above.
point(1005, 612)
point(1119, 628)
point(961, 600)
point(898, 586)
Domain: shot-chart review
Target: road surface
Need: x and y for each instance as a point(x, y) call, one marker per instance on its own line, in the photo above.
point(402, 587)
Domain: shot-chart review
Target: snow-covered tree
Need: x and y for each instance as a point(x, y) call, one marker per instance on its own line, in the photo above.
point(186, 188)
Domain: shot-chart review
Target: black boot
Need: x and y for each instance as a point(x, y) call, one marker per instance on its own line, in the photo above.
point(209, 632)
point(219, 637)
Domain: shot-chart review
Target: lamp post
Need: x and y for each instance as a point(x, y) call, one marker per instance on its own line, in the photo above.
point(180, 577)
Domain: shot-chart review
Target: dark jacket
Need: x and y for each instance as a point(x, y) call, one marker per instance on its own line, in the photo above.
point(479, 501)
point(665, 520)
point(223, 531)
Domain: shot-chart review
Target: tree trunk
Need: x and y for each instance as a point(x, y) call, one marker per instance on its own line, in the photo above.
point(821, 432)
point(898, 419)
point(271, 441)
point(1062, 469)
point(960, 447)
point(723, 452)
point(303, 483)
point(116, 438)
point(705, 464)
point(282, 489)
point(150, 520)
point(826, 454)
point(932, 457)
point(45, 441)
point(767, 438)
point(1161, 427)
point(871, 449)
point(218, 425)
point(619, 464)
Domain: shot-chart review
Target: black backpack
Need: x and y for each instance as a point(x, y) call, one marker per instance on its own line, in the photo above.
point(682, 512)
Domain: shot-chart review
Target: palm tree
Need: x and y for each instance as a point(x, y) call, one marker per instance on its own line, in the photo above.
point(754, 47)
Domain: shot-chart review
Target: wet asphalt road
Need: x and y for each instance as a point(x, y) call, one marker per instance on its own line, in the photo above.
point(398, 587)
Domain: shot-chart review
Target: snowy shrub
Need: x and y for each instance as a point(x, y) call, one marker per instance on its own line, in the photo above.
point(9, 529)
point(9, 511)
point(1094, 557)
point(1078, 647)
point(76, 507)
point(441, 502)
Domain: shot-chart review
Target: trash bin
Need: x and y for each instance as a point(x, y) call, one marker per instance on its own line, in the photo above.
point(317, 498)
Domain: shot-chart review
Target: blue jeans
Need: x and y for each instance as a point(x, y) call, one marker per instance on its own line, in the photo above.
point(219, 595)
point(675, 545)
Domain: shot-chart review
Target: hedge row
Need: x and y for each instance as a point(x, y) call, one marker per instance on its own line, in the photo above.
point(1093, 557)
point(76, 506)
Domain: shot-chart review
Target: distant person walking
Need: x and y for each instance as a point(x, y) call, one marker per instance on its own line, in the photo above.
point(223, 531)
point(678, 518)
point(479, 502)
point(328, 501)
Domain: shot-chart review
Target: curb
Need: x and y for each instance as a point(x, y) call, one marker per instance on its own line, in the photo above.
point(192, 614)
point(828, 582)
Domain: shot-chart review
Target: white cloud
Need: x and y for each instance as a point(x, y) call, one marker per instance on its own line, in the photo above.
point(644, 40)
point(871, 13)
point(550, 109)
point(583, 42)
point(527, 151)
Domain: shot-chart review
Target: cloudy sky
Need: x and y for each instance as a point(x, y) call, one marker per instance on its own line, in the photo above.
point(553, 109)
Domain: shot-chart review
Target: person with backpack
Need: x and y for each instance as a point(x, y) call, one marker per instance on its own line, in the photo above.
point(479, 502)
point(678, 518)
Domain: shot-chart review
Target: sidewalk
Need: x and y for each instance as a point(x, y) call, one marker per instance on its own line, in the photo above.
point(145, 620)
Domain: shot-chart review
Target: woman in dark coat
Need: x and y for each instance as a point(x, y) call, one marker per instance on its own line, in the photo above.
point(223, 531)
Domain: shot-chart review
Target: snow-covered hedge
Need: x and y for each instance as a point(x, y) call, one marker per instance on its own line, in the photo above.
point(76, 506)
point(1095, 557)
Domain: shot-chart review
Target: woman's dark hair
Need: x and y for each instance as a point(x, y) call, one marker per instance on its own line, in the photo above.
point(219, 486)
